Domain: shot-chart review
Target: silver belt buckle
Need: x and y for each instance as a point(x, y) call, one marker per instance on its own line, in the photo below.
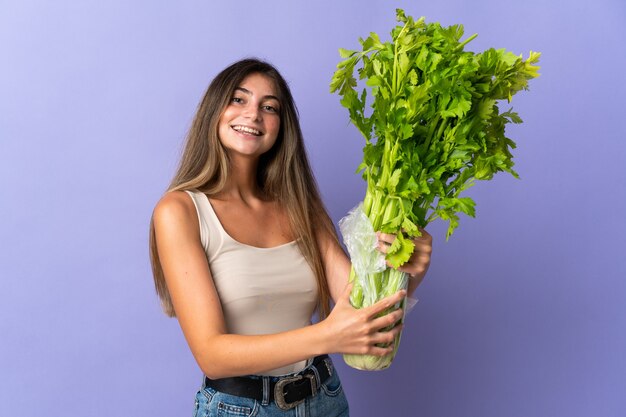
point(279, 393)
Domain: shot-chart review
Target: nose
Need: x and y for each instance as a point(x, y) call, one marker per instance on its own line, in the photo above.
point(252, 111)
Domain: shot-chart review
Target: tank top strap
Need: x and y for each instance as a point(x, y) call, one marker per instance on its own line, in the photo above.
point(211, 232)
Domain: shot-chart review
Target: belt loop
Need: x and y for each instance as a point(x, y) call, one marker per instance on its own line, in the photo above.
point(318, 382)
point(266, 390)
point(329, 366)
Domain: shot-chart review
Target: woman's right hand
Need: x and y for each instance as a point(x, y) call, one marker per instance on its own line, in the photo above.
point(358, 331)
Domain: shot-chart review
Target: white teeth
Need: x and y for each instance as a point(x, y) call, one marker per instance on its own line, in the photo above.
point(246, 129)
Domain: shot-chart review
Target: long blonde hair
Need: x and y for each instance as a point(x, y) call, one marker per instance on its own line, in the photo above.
point(284, 172)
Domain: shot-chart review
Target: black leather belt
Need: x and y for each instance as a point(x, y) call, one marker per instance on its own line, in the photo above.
point(287, 392)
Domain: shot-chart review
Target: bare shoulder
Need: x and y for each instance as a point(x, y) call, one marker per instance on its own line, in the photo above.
point(327, 242)
point(175, 209)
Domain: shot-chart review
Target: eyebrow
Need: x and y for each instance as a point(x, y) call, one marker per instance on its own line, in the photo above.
point(248, 92)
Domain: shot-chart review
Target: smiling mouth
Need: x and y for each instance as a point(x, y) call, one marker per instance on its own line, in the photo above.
point(246, 129)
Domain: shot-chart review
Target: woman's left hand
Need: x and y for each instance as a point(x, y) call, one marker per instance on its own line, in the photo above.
point(418, 263)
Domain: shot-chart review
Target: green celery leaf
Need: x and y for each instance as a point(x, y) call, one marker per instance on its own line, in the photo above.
point(400, 251)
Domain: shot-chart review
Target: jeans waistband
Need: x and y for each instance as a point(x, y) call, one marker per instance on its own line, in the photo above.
point(286, 391)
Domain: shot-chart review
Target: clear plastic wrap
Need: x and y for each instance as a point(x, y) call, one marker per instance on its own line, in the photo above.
point(373, 280)
point(361, 241)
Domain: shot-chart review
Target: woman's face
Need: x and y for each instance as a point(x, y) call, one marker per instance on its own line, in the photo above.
point(250, 123)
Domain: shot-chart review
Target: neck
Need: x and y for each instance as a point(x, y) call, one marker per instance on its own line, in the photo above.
point(242, 183)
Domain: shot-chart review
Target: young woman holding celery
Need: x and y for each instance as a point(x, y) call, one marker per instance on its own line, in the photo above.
point(243, 253)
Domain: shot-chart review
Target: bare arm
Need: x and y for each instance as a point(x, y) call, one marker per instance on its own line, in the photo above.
point(196, 301)
point(336, 265)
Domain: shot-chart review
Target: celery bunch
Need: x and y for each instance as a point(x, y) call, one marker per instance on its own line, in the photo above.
point(432, 127)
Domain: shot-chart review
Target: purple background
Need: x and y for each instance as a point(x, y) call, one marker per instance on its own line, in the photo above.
point(522, 314)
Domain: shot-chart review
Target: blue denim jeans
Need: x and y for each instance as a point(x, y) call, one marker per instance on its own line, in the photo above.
point(330, 401)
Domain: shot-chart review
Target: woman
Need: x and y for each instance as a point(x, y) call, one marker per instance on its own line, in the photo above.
point(243, 253)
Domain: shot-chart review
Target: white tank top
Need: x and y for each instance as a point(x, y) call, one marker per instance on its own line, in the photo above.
point(262, 290)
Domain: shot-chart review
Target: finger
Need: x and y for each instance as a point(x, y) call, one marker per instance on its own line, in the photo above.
point(387, 337)
point(424, 236)
point(380, 351)
point(385, 303)
point(419, 259)
point(414, 270)
point(386, 238)
point(385, 341)
point(422, 246)
point(388, 320)
point(383, 247)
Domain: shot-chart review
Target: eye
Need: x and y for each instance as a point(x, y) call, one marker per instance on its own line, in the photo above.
point(237, 100)
point(270, 109)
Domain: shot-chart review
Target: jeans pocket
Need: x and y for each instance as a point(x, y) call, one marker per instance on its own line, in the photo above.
point(203, 398)
point(225, 410)
point(332, 386)
point(331, 401)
